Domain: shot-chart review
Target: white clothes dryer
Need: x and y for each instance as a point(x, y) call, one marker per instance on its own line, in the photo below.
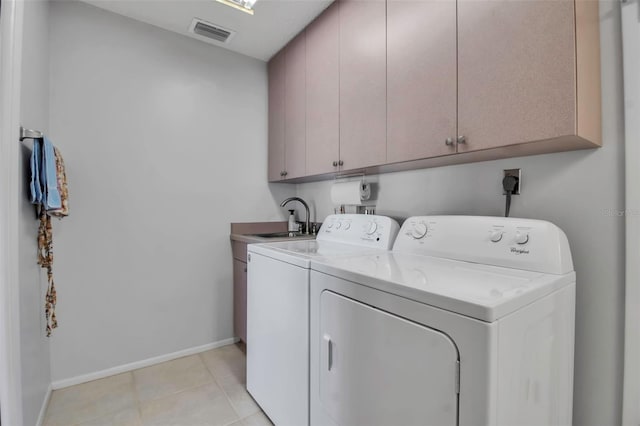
point(467, 321)
point(278, 309)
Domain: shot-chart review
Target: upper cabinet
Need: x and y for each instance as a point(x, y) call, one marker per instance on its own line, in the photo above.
point(276, 117)
point(287, 111)
point(363, 83)
point(421, 79)
point(295, 107)
point(401, 84)
point(323, 103)
point(517, 79)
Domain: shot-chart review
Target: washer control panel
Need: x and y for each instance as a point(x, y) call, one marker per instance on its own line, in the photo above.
point(417, 228)
point(519, 236)
point(533, 245)
point(367, 230)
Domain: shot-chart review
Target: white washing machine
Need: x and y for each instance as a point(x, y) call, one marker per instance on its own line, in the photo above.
point(467, 321)
point(278, 309)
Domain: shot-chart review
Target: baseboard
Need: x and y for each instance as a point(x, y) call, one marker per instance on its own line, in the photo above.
point(64, 383)
point(45, 404)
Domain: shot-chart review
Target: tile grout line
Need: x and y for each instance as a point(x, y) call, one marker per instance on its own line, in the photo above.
point(192, 389)
point(174, 392)
point(135, 398)
point(224, 392)
point(217, 380)
point(45, 423)
point(137, 402)
point(136, 395)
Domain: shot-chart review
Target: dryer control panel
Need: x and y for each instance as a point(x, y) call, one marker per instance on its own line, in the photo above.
point(367, 230)
point(533, 245)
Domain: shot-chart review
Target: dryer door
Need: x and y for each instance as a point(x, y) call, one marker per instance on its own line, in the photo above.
point(381, 369)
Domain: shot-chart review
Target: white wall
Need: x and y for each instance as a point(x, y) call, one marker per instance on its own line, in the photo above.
point(36, 371)
point(575, 190)
point(164, 139)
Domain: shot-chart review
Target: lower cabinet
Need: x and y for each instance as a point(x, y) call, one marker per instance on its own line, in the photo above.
point(240, 299)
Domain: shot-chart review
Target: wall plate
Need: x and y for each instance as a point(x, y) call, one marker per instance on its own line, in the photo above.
point(517, 173)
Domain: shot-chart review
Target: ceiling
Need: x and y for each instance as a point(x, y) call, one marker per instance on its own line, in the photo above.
point(274, 23)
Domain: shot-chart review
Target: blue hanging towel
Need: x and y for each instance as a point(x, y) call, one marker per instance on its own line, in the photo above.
point(51, 194)
point(36, 185)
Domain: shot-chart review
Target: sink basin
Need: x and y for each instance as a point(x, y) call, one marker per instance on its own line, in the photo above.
point(281, 235)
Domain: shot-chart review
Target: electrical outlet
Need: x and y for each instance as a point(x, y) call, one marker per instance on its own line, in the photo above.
point(517, 173)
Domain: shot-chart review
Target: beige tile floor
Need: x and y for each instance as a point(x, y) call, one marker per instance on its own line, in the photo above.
point(207, 389)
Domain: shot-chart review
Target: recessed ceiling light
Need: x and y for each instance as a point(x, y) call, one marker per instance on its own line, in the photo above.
point(243, 5)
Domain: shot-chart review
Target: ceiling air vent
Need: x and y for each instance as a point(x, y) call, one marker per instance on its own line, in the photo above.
point(209, 31)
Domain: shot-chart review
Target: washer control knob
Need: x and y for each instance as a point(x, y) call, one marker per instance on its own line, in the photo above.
point(496, 236)
point(346, 226)
point(338, 225)
point(522, 237)
point(371, 228)
point(419, 230)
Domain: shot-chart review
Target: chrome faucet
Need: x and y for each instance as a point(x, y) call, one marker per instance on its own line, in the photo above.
point(307, 227)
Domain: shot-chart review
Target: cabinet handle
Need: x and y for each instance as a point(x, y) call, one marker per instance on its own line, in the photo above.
point(462, 140)
point(340, 163)
point(335, 164)
point(284, 173)
point(448, 142)
point(281, 174)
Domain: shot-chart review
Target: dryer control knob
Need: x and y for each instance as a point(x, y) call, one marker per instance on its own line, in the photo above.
point(419, 230)
point(347, 225)
point(338, 225)
point(496, 236)
point(522, 237)
point(371, 228)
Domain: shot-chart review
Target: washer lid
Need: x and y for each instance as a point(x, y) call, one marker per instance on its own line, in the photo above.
point(301, 252)
point(480, 291)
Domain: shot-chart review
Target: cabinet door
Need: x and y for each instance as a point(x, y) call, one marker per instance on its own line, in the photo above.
point(323, 132)
point(363, 83)
point(276, 117)
point(516, 72)
point(421, 78)
point(240, 299)
point(379, 369)
point(295, 108)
